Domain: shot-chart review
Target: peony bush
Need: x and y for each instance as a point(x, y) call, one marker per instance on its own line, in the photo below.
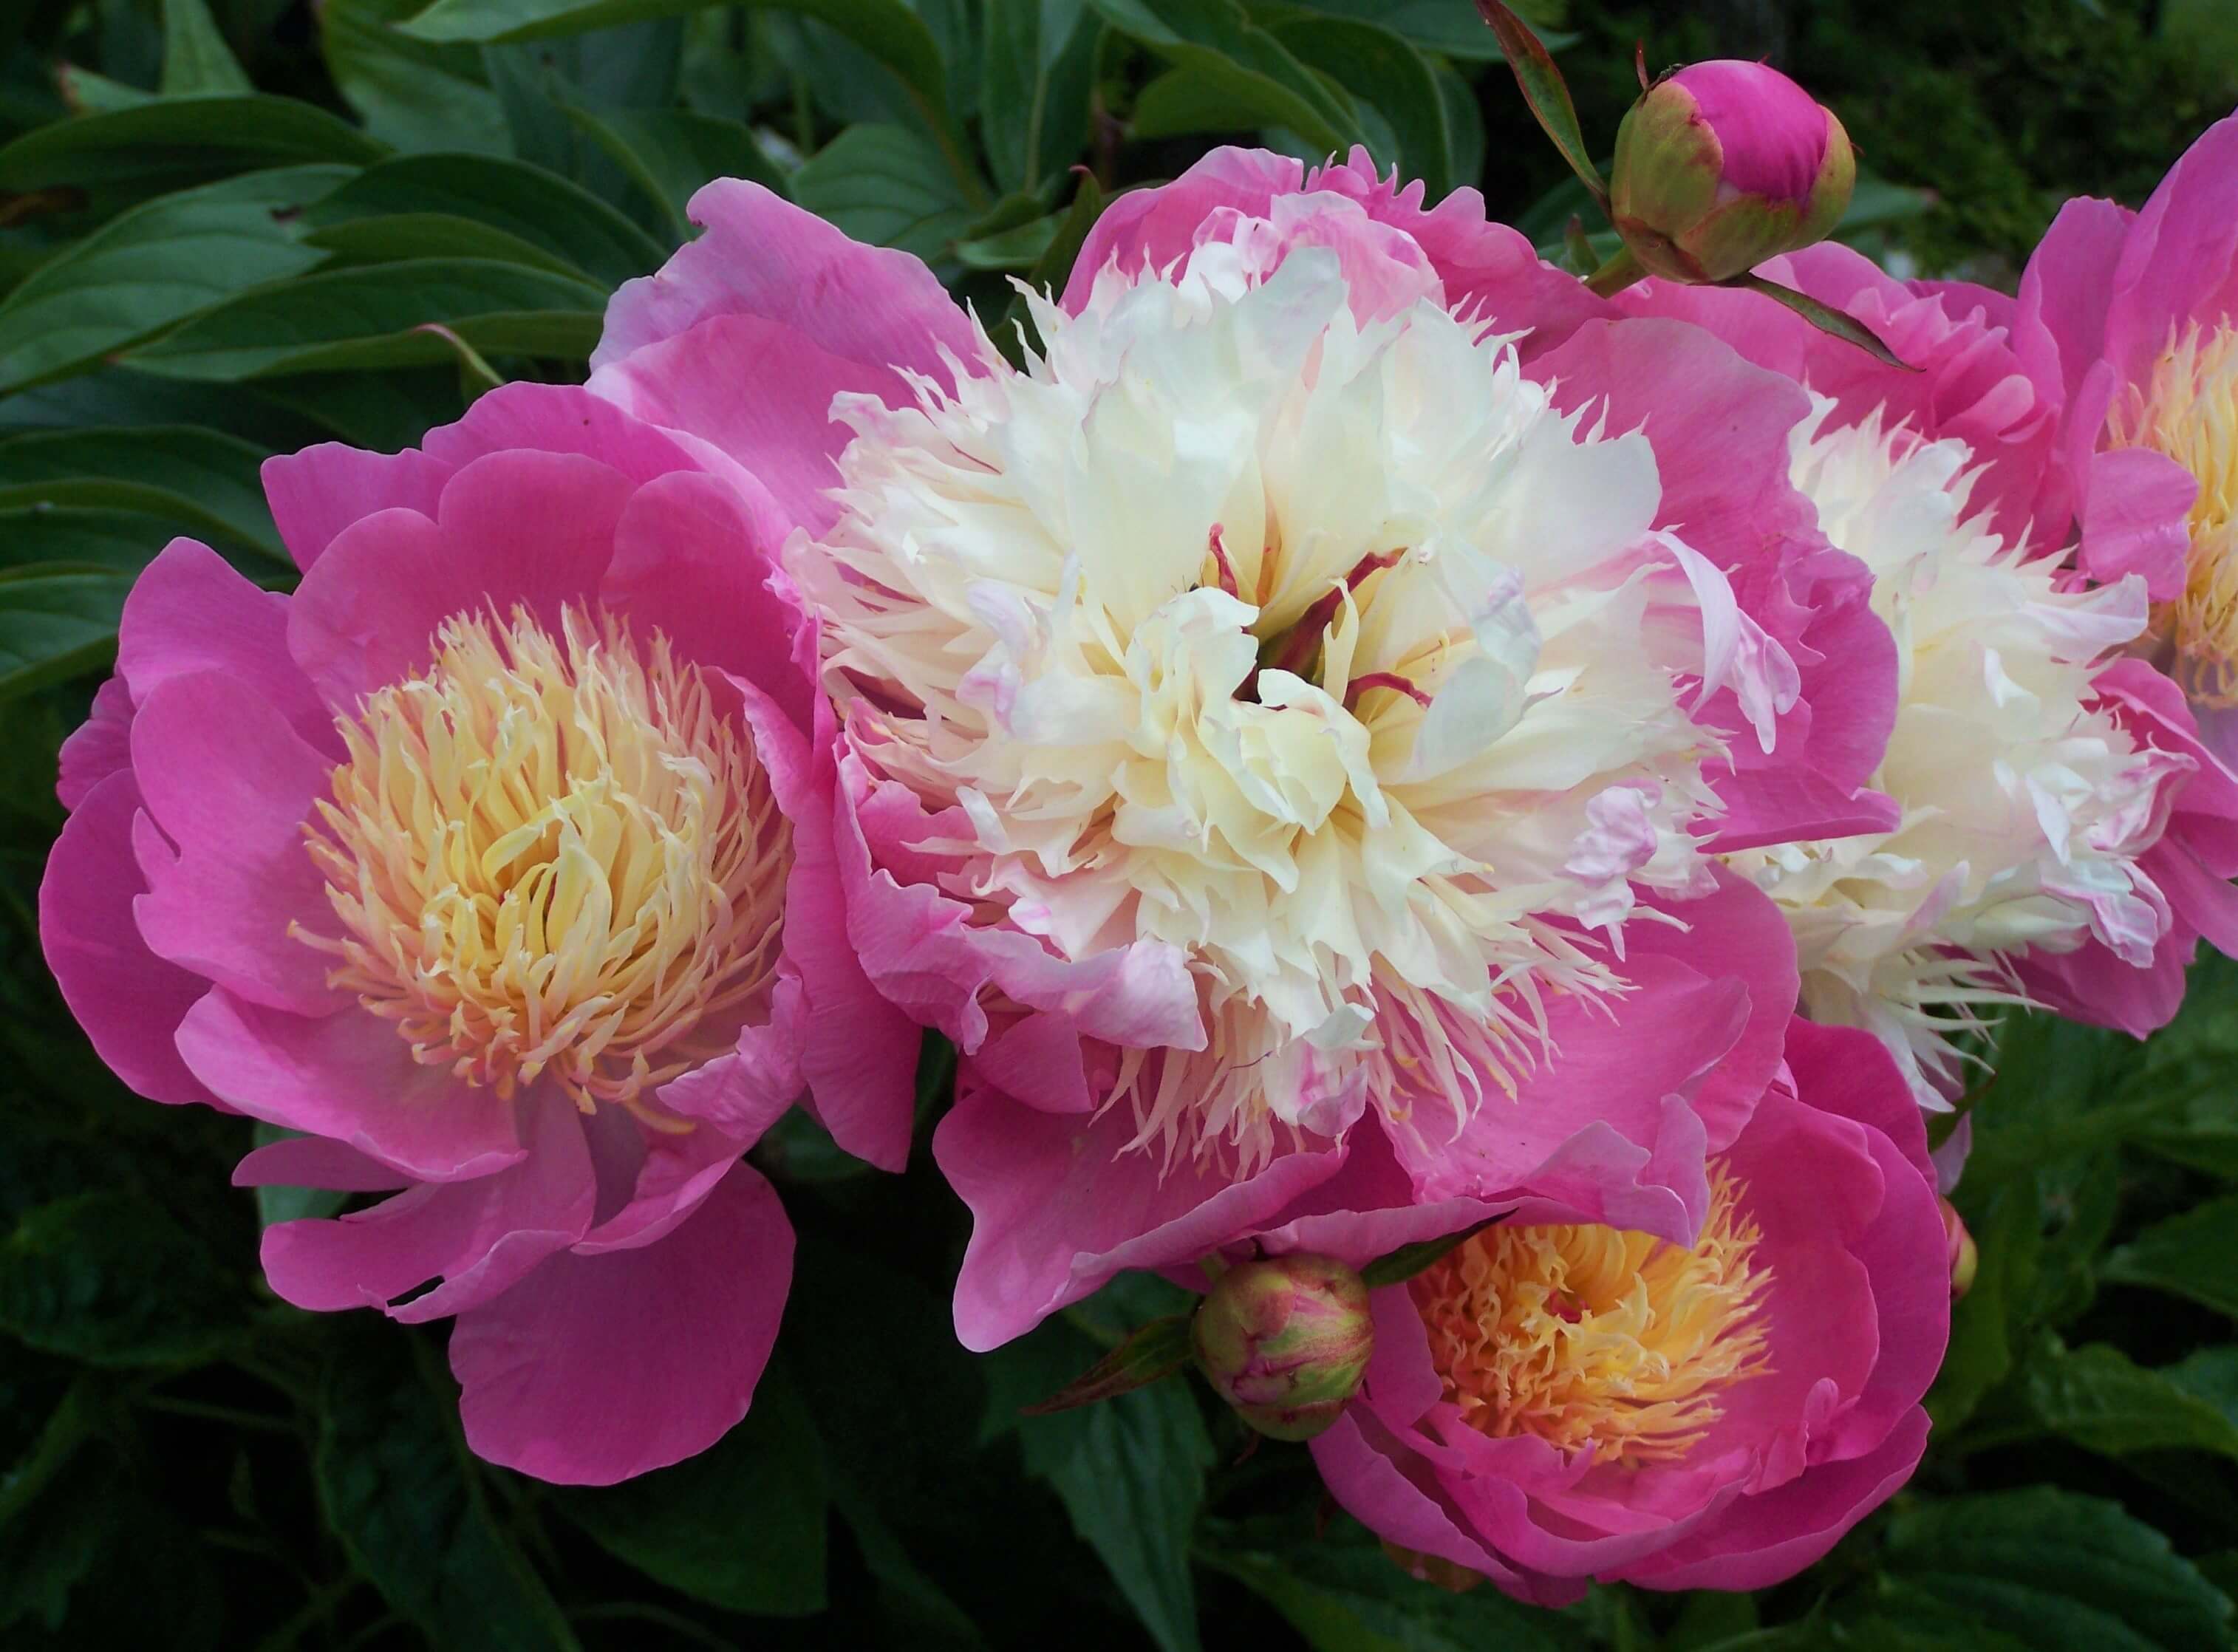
point(1249, 895)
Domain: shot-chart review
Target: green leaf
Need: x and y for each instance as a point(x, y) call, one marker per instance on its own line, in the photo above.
point(1440, 26)
point(180, 134)
point(1214, 39)
point(384, 411)
point(1547, 94)
point(1019, 247)
point(1130, 1472)
point(196, 476)
point(1836, 323)
point(740, 1526)
point(1986, 1325)
point(2104, 1402)
point(2055, 1569)
point(412, 93)
point(2193, 1255)
point(669, 154)
point(154, 265)
point(409, 1506)
point(1035, 82)
point(1396, 1268)
point(369, 318)
point(1341, 1593)
point(110, 1278)
point(1390, 78)
point(56, 624)
point(196, 60)
point(888, 187)
point(1155, 1351)
point(432, 234)
point(522, 200)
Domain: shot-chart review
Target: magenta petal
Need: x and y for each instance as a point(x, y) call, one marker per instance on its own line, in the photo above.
point(97, 748)
point(535, 529)
point(693, 561)
point(761, 256)
point(1059, 1205)
point(553, 1382)
point(348, 1076)
point(1767, 1538)
point(2180, 261)
point(2065, 289)
point(128, 1000)
point(761, 393)
point(477, 1236)
point(2135, 519)
point(314, 1161)
point(230, 784)
point(317, 493)
point(190, 613)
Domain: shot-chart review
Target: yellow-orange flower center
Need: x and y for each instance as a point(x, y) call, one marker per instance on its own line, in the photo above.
point(2189, 412)
point(553, 856)
point(1595, 1339)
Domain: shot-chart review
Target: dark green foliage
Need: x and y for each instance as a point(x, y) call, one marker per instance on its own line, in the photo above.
point(222, 223)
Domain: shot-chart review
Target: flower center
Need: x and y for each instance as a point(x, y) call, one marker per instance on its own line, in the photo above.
point(2189, 412)
point(553, 856)
point(1597, 1340)
point(1330, 656)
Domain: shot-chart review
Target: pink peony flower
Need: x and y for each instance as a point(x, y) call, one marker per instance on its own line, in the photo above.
point(1566, 1396)
point(1276, 725)
point(497, 864)
point(1723, 165)
point(2067, 842)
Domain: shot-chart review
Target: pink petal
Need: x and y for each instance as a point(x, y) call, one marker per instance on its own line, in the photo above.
point(230, 784)
point(761, 391)
point(1059, 1205)
point(596, 1368)
point(2065, 289)
point(515, 528)
point(318, 492)
point(2135, 519)
point(351, 1077)
point(190, 613)
point(477, 1236)
point(97, 748)
point(314, 1161)
point(2180, 261)
point(128, 1000)
point(761, 256)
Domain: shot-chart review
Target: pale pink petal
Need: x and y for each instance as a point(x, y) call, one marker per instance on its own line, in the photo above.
point(2135, 519)
point(556, 1373)
point(351, 1077)
point(128, 1000)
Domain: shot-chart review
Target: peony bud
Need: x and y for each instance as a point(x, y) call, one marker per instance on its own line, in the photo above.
point(1723, 165)
point(1965, 1256)
point(1286, 1342)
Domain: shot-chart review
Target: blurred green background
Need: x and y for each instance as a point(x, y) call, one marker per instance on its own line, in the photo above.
point(229, 228)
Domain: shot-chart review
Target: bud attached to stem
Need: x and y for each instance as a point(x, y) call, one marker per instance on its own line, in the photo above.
point(1286, 1341)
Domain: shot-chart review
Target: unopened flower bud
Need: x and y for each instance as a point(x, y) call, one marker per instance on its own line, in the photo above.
point(1965, 1256)
point(1286, 1341)
point(1723, 165)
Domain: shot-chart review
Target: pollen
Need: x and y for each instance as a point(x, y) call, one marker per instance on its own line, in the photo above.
point(1596, 1340)
point(553, 858)
point(2189, 412)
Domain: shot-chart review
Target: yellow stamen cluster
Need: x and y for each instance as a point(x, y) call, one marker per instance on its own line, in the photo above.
point(2189, 412)
point(553, 856)
point(1595, 1339)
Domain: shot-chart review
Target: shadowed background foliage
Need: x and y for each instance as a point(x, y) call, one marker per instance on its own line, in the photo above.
point(229, 228)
